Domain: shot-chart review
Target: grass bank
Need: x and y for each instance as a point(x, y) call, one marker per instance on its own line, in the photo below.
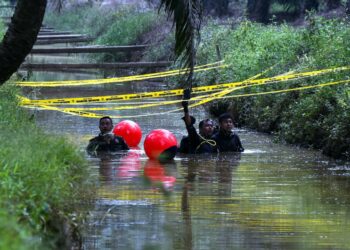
point(123, 26)
point(43, 178)
point(318, 117)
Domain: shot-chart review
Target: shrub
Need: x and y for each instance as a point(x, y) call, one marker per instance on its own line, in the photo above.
point(41, 176)
point(316, 117)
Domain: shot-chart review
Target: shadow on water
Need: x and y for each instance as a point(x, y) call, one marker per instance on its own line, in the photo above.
point(271, 196)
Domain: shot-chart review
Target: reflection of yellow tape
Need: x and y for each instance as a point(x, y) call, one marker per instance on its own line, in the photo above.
point(94, 115)
point(121, 79)
point(178, 92)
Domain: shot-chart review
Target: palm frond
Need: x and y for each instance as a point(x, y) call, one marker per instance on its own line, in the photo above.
point(187, 15)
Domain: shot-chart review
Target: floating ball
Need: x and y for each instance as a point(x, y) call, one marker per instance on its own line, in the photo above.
point(130, 131)
point(160, 144)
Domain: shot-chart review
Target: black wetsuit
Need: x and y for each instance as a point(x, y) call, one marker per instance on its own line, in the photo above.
point(228, 142)
point(99, 144)
point(195, 143)
point(184, 145)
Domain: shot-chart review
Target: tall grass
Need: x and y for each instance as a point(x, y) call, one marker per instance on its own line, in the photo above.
point(41, 180)
point(2, 30)
point(315, 118)
point(109, 27)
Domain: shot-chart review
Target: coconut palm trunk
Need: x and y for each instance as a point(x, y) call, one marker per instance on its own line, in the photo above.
point(20, 36)
point(258, 10)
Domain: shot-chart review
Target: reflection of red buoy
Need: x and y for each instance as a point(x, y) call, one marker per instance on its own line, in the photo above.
point(130, 131)
point(130, 165)
point(160, 144)
point(155, 172)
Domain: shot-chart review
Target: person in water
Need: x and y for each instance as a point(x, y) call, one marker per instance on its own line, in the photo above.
point(106, 141)
point(196, 143)
point(227, 140)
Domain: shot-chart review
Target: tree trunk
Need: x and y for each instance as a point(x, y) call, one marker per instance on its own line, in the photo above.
point(216, 7)
point(258, 10)
point(333, 4)
point(311, 5)
point(348, 7)
point(20, 36)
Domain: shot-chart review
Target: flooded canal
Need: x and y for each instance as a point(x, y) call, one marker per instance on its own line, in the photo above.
point(272, 196)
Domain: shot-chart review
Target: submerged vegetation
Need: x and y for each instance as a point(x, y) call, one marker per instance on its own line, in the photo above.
point(42, 178)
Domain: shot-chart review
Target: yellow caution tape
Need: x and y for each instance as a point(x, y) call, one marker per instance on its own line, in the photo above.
point(288, 90)
point(121, 79)
point(229, 90)
point(178, 92)
point(94, 115)
point(138, 105)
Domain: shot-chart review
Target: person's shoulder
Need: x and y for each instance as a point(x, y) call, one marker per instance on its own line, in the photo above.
point(185, 138)
point(235, 135)
point(94, 139)
point(215, 135)
point(118, 138)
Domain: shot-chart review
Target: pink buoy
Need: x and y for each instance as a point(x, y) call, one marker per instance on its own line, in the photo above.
point(160, 144)
point(130, 131)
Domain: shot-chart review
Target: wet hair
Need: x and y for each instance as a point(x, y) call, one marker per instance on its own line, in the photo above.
point(225, 116)
point(106, 117)
point(201, 123)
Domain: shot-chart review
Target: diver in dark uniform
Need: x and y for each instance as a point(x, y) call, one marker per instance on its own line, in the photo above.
point(197, 143)
point(106, 141)
point(225, 138)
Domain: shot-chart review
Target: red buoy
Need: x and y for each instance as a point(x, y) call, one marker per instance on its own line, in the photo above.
point(130, 131)
point(160, 144)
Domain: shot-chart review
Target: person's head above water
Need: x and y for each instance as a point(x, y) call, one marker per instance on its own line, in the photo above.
point(226, 122)
point(106, 124)
point(206, 127)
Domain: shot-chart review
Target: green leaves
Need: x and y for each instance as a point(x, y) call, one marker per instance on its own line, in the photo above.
point(187, 19)
point(38, 173)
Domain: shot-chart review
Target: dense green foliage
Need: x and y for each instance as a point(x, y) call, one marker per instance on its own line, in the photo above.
point(108, 27)
point(41, 180)
point(318, 117)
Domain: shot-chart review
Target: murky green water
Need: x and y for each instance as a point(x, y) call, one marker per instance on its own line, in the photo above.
point(271, 196)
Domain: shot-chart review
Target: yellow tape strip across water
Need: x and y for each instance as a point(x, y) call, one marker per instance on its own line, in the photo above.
point(229, 90)
point(178, 92)
point(139, 105)
point(94, 115)
point(201, 68)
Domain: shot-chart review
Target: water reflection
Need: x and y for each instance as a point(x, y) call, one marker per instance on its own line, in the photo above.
point(130, 165)
point(155, 173)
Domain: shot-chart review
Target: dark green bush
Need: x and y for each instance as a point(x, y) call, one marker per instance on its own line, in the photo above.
point(317, 118)
point(41, 178)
